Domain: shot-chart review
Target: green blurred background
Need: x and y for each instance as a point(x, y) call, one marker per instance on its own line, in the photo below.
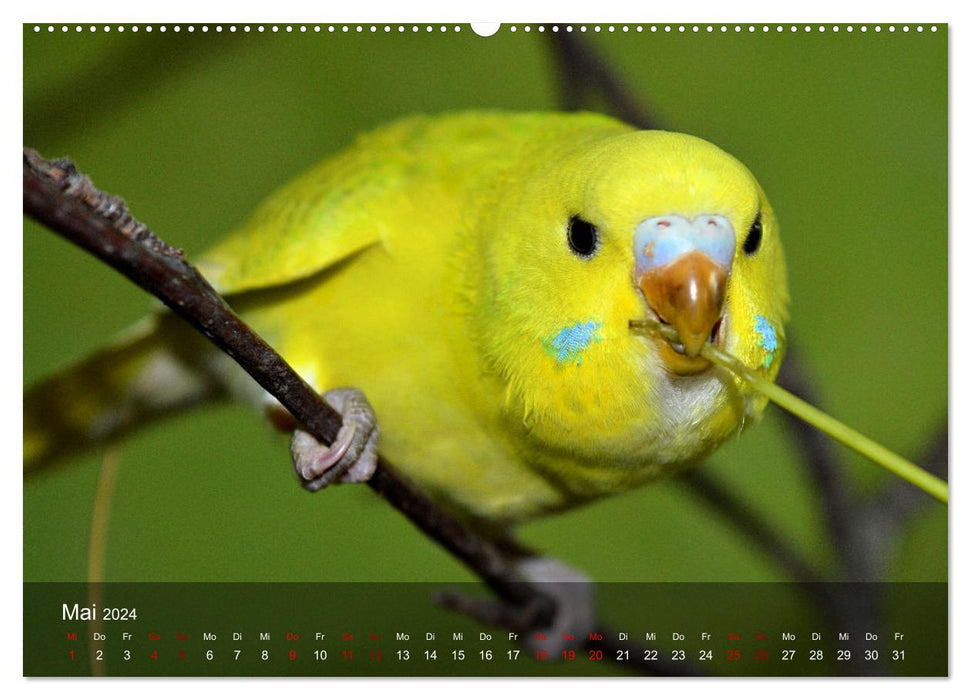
point(847, 132)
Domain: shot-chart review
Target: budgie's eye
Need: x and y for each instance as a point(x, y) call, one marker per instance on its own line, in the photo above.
point(582, 236)
point(754, 238)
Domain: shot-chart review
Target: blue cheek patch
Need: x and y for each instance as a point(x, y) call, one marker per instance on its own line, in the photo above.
point(767, 338)
point(568, 345)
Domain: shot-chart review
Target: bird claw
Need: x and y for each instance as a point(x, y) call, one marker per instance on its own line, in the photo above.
point(572, 593)
point(353, 456)
point(551, 632)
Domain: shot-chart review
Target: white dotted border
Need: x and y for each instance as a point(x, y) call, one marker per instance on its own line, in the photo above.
point(414, 28)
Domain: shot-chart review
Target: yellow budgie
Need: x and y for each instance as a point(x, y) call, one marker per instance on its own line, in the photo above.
point(474, 275)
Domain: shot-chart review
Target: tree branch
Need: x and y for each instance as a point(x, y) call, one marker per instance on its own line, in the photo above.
point(824, 465)
point(580, 69)
point(64, 200)
point(757, 530)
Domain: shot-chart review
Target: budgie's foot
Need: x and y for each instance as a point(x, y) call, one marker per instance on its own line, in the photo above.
point(572, 593)
point(353, 456)
point(551, 631)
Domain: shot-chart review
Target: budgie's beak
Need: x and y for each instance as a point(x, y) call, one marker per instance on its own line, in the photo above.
point(682, 269)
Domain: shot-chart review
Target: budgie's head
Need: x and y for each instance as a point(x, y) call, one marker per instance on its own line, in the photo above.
point(618, 228)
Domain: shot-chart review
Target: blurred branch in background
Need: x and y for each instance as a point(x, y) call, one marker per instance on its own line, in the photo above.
point(581, 72)
point(862, 531)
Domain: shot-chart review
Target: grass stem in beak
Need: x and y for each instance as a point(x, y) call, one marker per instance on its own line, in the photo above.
point(841, 432)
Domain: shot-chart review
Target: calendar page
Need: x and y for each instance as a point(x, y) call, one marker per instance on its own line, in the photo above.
point(459, 228)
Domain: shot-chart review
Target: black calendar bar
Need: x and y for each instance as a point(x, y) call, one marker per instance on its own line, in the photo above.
point(396, 629)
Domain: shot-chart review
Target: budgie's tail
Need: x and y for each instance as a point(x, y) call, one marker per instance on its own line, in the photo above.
point(146, 374)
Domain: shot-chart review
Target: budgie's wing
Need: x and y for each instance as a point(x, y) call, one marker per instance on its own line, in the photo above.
point(323, 217)
point(342, 206)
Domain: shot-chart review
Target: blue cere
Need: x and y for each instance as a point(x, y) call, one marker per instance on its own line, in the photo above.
point(661, 240)
point(568, 345)
point(767, 338)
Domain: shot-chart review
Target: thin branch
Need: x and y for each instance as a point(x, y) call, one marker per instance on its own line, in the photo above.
point(64, 200)
point(745, 521)
point(581, 69)
point(97, 545)
point(887, 514)
point(901, 499)
point(824, 465)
